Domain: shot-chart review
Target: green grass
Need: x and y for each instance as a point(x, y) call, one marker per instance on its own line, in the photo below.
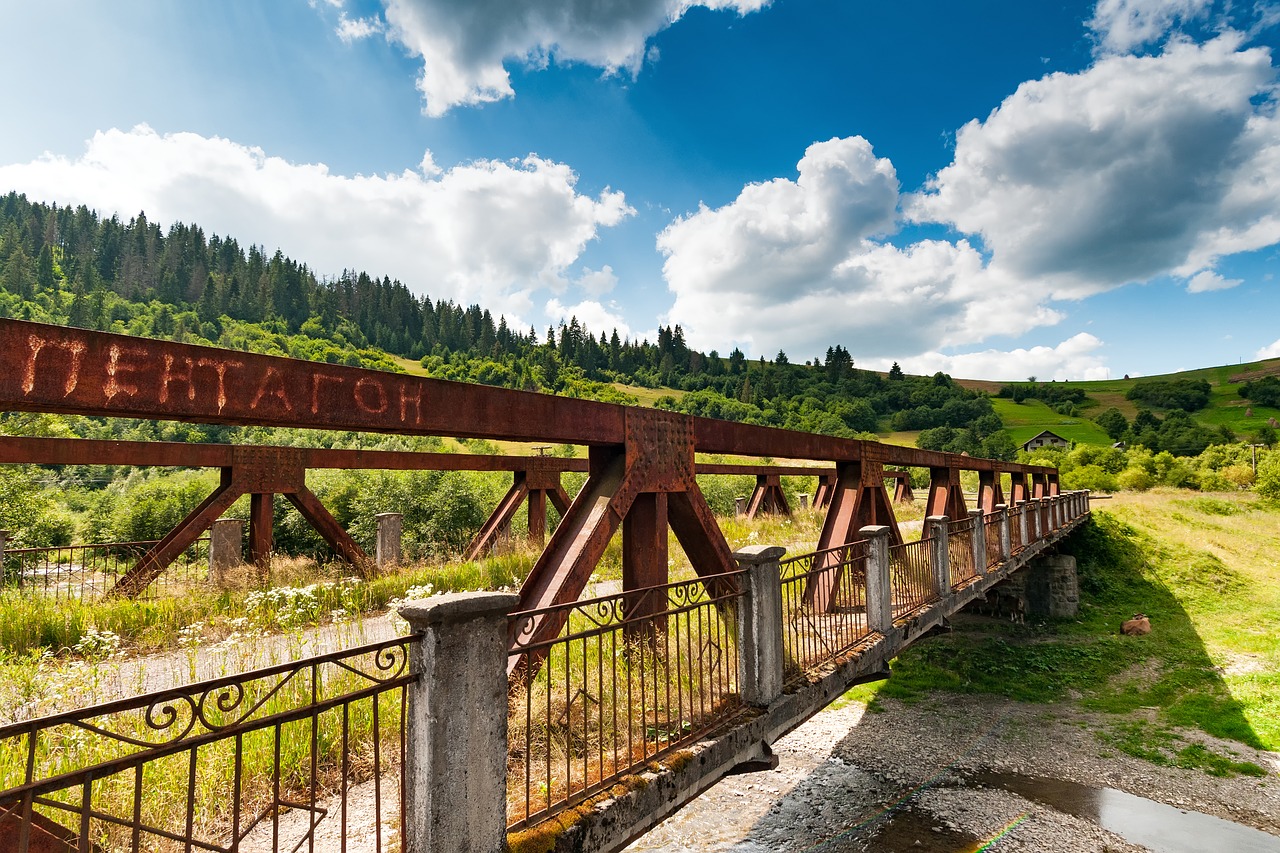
point(1026, 420)
point(1203, 569)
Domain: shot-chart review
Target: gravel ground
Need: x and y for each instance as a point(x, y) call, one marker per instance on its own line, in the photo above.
point(919, 778)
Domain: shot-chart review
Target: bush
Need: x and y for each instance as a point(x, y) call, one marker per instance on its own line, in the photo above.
point(1268, 485)
point(1135, 479)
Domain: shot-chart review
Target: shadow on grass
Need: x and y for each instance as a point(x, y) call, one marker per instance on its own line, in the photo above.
point(1121, 572)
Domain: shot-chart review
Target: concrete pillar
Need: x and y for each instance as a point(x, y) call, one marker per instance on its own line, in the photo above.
point(760, 653)
point(739, 506)
point(1084, 502)
point(226, 548)
point(1037, 519)
point(455, 782)
point(390, 530)
point(804, 500)
point(1024, 522)
point(1053, 588)
point(935, 527)
point(1006, 535)
point(879, 586)
point(979, 533)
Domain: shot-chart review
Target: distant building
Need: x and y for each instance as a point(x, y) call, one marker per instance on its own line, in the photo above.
point(1045, 439)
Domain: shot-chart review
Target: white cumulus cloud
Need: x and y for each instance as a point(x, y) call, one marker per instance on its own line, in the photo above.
point(1076, 358)
point(354, 29)
point(597, 283)
point(1269, 351)
point(796, 264)
point(464, 43)
point(489, 232)
point(1122, 25)
point(1134, 168)
point(1207, 280)
point(595, 317)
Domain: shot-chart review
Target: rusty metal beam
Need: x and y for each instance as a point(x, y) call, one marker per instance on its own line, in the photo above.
point(990, 494)
point(499, 521)
point(133, 582)
point(261, 517)
point(62, 370)
point(902, 493)
point(328, 527)
point(768, 497)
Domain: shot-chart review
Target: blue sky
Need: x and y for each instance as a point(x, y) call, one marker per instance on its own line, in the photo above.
point(997, 189)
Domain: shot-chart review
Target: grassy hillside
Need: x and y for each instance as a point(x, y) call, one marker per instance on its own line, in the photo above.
point(1226, 406)
point(1203, 568)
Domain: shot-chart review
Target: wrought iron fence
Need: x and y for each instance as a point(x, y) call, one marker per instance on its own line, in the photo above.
point(633, 677)
point(911, 576)
point(303, 756)
point(960, 551)
point(992, 526)
point(824, 605)
point(66, 572)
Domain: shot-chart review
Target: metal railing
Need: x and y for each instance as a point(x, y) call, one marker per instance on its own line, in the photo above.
point(275, 759)
point(812, 635)
point(911, 577)
point(1016, 542)
point(66, 572)
point(992, 525)
point(960, 551)
point(633, 677)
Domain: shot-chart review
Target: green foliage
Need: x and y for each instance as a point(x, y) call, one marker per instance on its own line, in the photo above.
point(29, 512)
point(1263, 392)
point(1113, 423)
point(1268, 484)
point(1050, 392)
point(1188, 395)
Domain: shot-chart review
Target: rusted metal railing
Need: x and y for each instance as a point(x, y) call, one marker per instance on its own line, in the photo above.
point(66, 572)
point(268, 760)
point(911, 577)
point(1016, 518)
point(960, 551)
point(810, 638)
point(633, 677)
point(992, 525)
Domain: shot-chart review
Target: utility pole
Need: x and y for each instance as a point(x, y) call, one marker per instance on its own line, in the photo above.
point(1254, 448)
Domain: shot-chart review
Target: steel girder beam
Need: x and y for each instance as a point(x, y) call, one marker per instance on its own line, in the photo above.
point(902, 493)
point(768, 497)
point(946, 497)
point(825, 491)
point(1018, 491)
point(533, 486)
point(990, 495)
point(261, 472)
point(642, 486)
point(858, 500)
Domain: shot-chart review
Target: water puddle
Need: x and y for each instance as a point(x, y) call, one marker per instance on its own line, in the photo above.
point(1162, 828)
point(912, 831)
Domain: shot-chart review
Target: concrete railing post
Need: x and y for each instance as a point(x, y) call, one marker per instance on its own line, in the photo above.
point(455, 794)
point(390, 536)
point(1006, 535)
point(1084, 502)
point(979, 534)
point(226, 548)
point(739, 507)
point(1024, 522)
point(760, 653)
point(804, 500)
point(1036, 517)
point(935, 528)
point(879, 586)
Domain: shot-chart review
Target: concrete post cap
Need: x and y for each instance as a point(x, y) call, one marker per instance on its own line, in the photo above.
point(938, 519)
point(389, 515)
point(976, 512)
point(873, 530)
point(759, 554)
point(457, 607)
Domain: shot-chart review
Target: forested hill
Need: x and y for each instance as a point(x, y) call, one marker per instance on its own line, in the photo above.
point(68, 265)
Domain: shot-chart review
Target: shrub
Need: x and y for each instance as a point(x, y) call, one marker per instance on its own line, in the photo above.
point(1135, 479)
